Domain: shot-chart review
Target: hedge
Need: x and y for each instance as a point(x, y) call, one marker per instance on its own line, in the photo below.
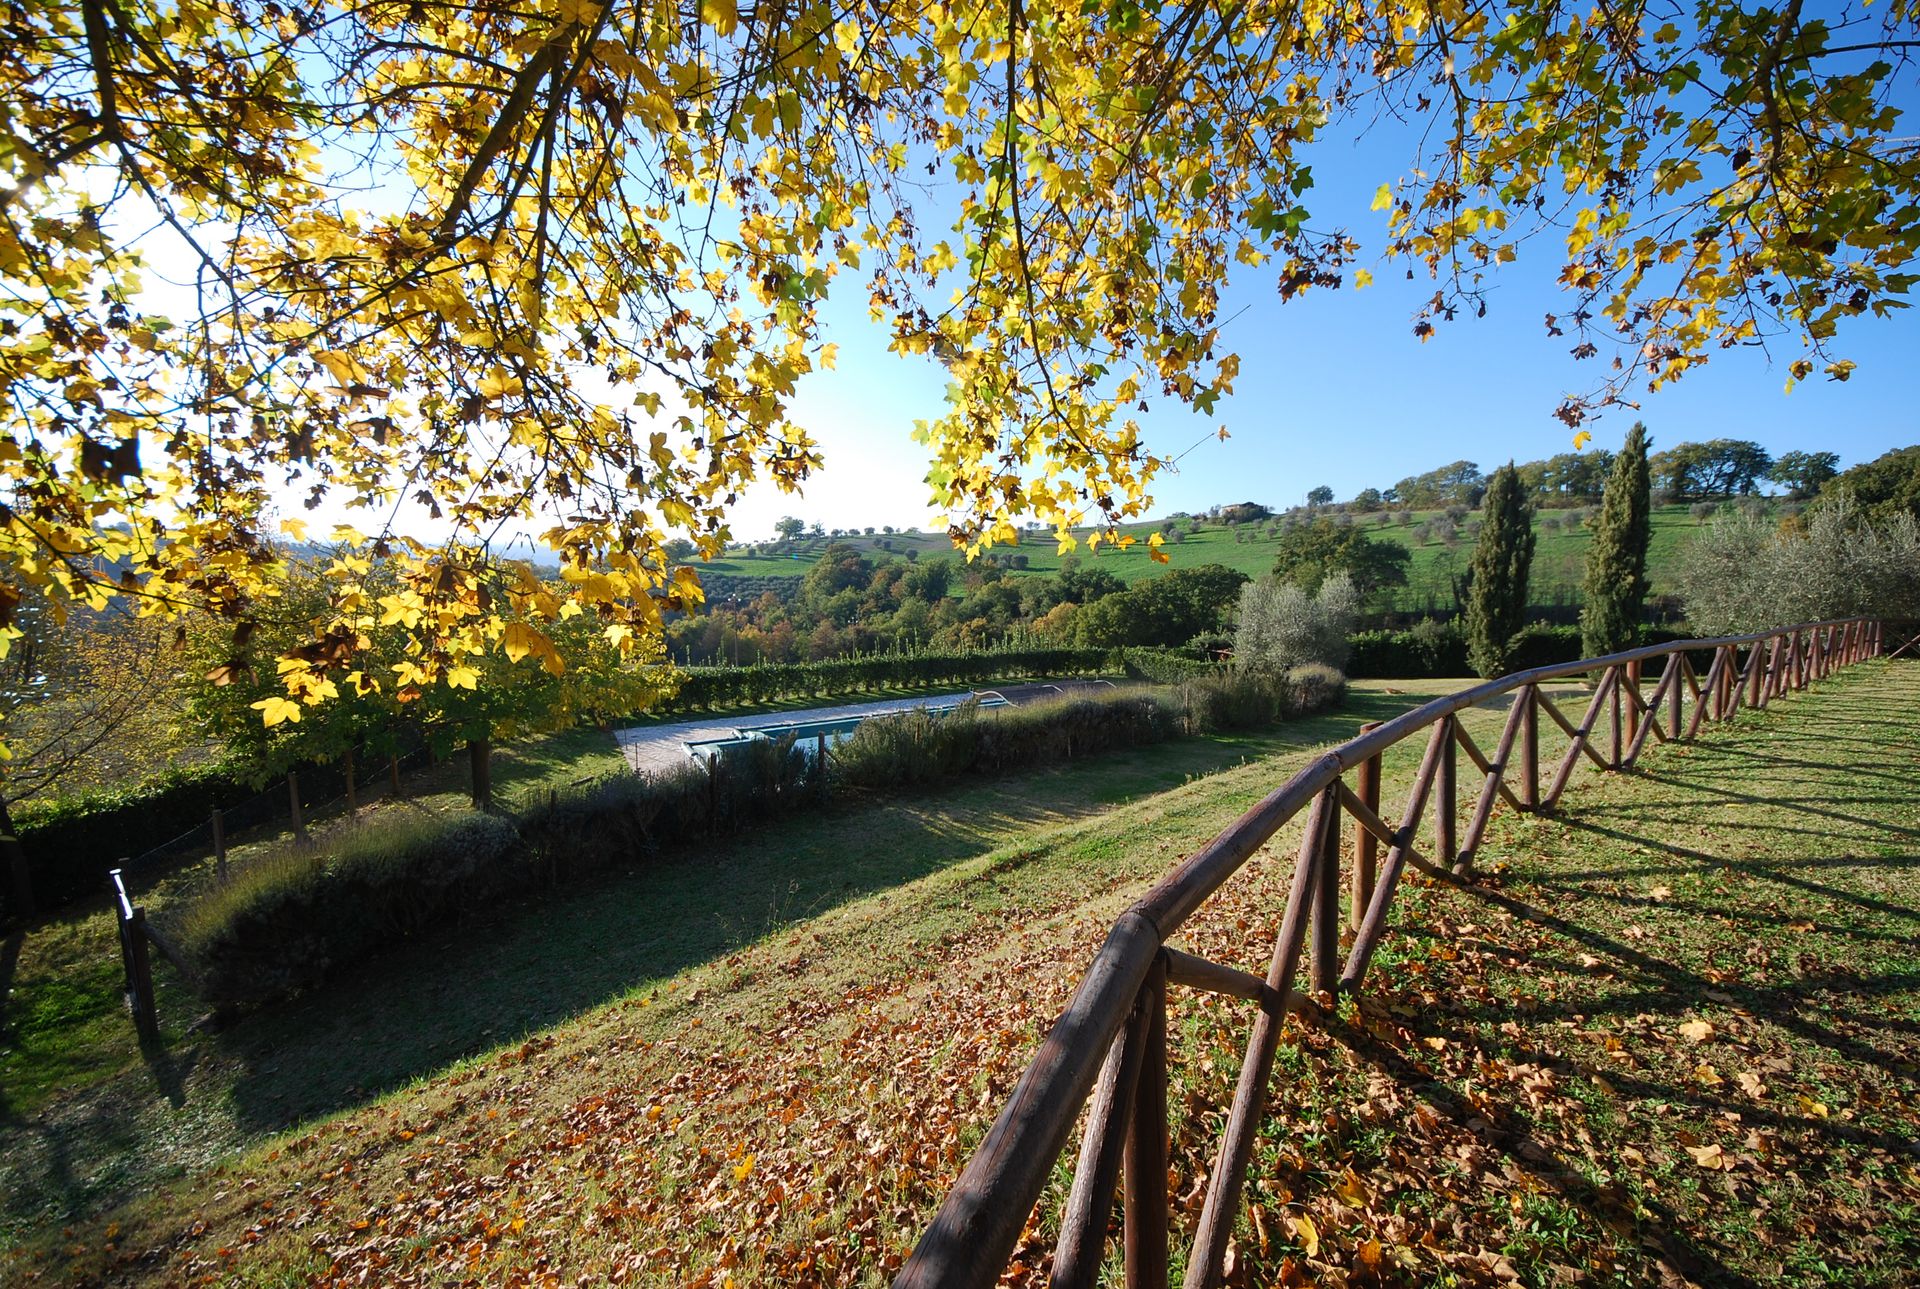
point(709, 687)
point(72, 843)
point(285, 923)
point(1438, 650)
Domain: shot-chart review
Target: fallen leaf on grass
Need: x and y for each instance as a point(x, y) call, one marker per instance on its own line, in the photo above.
point(1308, 1234)
point(1698, 1031)
point(1710, 1156)
point(1750, 1084)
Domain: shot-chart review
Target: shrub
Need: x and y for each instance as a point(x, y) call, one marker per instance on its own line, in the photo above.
point(284, 920)
point(709, 687)
point(1165, 666)
point(1742, 574)
point(1281, 625)
point(1429, 650)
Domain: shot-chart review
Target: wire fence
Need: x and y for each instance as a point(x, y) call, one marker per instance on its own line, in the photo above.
point(310, 797)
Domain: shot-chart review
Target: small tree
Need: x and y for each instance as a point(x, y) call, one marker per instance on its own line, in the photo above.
point(1616, 582)
point(1497, 599)
point(1282, 626)
point(1321, 496)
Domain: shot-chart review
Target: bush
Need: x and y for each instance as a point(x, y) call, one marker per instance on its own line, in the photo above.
point(283, 921)
point(1741, 574)
point(709, 687)
point(1282, 626)
point(1428, 650)
point(1165, 666)
point(72, 843)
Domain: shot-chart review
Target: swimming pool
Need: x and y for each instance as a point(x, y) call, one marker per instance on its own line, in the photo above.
point(808, 736)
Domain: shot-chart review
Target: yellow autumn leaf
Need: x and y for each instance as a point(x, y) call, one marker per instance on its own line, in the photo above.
point(1307, 1233)
point(274, 709)
point(461, 676)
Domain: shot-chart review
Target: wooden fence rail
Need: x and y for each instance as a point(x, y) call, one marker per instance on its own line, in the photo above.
point(1110, 1043)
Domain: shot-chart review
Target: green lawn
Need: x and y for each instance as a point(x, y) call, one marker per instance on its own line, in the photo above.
point(766, 1061)
point(1558, 565)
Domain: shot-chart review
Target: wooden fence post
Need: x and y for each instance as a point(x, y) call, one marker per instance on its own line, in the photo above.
point(1145, 1204)
point(1529, 749)
point(1366, 778)
point(293, 805)
point(1326, 902)
point(1633, 709)
point(134, 958)
point(1445, 800)
point(713, 793)
point(1676, 663)
point(219, 824)
point(480, 767)
point(1618, 676)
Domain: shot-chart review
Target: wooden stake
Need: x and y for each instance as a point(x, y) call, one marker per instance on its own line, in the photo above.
point(1633, 707)
point(1445, 799)
point(1083, 1229)
point(1326, 900)
point(1529, 748)
point(293, 801)
point(1145, 1202)
point(1250, 1095)
point(1367, 935)
point(1366, 778)
point(1495, 771)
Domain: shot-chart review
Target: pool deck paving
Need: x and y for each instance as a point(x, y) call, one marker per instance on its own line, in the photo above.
point(663, 747)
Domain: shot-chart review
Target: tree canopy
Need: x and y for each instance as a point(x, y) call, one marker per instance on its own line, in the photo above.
point(559, 267)
point(1308, 553)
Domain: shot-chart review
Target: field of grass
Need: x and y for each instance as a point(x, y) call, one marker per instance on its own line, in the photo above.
point(1558, 563)
point(1670, 1040)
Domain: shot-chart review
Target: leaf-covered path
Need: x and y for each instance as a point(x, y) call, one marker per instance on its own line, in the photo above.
point(1672, 1040)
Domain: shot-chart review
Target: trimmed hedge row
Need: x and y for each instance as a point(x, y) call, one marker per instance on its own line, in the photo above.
point(285, 923)
point(73, 842)
point(1438, 650)
point(708, 687)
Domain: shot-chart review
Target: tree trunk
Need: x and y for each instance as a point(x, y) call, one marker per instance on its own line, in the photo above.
point(24, 904)
point(480, 760)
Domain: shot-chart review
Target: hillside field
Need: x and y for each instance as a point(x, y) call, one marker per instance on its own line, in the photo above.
point(1558, 560)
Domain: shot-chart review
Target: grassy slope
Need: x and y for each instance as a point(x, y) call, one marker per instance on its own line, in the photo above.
point(1558, 557)
point(779, 1087)
point(65, 1026)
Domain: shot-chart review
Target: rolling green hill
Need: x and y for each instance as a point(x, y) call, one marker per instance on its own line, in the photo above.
point(1249, 548)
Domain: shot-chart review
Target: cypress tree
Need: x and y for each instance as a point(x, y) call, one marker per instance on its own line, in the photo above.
point(1497, 597)
point(1616, 584)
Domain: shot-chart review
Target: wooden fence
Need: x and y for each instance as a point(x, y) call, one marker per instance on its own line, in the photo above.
point(1110, 1043)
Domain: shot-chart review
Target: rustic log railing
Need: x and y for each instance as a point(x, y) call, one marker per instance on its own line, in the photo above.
point(1110, 1043)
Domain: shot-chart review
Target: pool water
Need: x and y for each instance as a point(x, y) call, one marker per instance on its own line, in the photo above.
point(808, 734)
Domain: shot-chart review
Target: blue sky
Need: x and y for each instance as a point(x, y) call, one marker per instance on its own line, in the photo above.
point(1335, 389)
